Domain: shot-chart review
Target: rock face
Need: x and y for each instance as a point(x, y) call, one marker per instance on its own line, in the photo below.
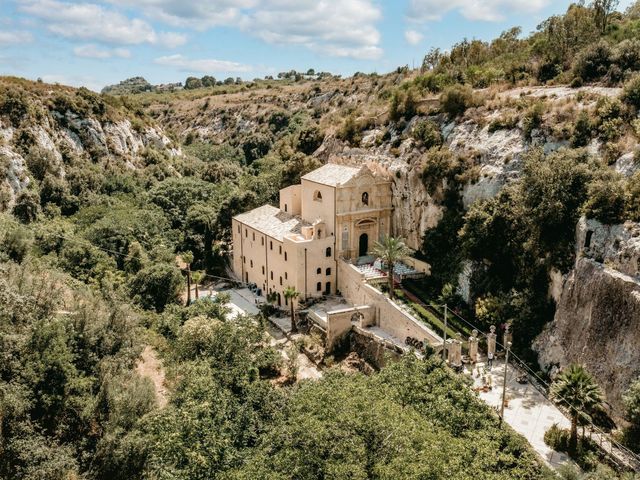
point(82, 136)
point(597, 320)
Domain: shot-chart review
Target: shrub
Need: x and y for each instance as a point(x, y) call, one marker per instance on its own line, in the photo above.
point(156, 286)
point(627, 55)
point(610, 123)
point(428, 133)
point(633, 198)
point(403, 104)
point(557, 438)
point(350, 131)
point(631, 92)
point(27, 206)
point(576, 82)
point(581, 130)
point(606, 200)
point(456, 100)
point(593, 62)
point(503, 123)
point(533, 119)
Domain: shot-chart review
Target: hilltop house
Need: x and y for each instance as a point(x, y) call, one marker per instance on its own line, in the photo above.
point(336, 212)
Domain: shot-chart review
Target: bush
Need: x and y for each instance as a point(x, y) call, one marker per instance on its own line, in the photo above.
point(27, 207)
point(502, 123)
point(156, 286)
point(533, 119)
point(593, 62)
point(403, 104)
point(581, 131)
point(428, 133)
point(631, 92)
point(633, 198)
point(456, 100)
point(557, 438)
point(606, 200)
point(627, 55)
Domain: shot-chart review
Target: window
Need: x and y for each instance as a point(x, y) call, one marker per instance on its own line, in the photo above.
point(262, 241)
point(271, 245)
point(319, 286)
point(365, 198)
point(246, 233)
point(271, 274)
point(286, 301)
point(285, 256)
point(319, 233)
point(328, 271)
point(254, 236)
point(286, 276)
point(318, 271)
point(280, 249)
point(317, 196)
point(251, 263)
point(263, 269)
point(239, 229)
point(328, 252)
point(244, 259)
point(280, 280)
point(285, 207)
point(327, 289)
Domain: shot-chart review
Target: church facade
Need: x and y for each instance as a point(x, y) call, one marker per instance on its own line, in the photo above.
point(336, 212)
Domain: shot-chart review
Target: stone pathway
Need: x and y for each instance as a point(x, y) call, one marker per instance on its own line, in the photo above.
point(527, 411)
point(149, 365)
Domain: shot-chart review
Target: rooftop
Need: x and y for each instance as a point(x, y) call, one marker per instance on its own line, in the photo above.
point(271, 221)
point(332, 174)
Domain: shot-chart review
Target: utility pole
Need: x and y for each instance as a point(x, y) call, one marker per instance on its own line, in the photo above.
point(444, 343)
point(504, 384)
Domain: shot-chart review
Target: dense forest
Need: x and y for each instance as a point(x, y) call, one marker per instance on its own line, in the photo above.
point(93, 220)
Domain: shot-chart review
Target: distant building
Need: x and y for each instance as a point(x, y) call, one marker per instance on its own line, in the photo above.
point(337, 212)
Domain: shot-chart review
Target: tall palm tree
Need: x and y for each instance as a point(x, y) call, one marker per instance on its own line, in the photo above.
point(391, 250)
point(197, 276)
point(577, 390)
point(290, 293)
point(187, 258)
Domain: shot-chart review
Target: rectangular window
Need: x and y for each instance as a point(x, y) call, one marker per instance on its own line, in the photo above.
point(280, 280)
point(286, 276)
point(263, 269)
point(251, 263)
point(244, 259)
point(239, 228)
point(246, 233)
point(328, 271)
point(280, 249)
point(285, 256)
point(254, 236)
point(271, 274)
point(319, 286)
point(271, 245)
point(262, 241)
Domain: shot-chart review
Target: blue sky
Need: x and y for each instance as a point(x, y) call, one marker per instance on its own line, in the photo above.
point(98, 42)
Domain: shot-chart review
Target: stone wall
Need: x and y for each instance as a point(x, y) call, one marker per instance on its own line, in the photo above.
point(389, 316)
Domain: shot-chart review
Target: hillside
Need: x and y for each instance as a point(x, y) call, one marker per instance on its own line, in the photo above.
point(515, 172)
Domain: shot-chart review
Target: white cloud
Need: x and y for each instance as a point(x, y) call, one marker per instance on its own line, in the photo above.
point(196, 14)
point(485, 10)
point(344, 28)
point(93, 51)
point(413, 37)
point(211, 65)
point(9, 37)
point(89, 21)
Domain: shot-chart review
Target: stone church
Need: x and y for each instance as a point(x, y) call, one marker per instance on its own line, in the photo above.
point(336, 212)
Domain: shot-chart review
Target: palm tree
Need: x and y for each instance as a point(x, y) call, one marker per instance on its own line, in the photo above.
point(577, 390)
point(391, 250)
point(290, 293)
point(197, 277)
point(187, 258)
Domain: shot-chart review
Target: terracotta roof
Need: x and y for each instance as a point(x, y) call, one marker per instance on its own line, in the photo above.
point(271, 221)
point(332, 174)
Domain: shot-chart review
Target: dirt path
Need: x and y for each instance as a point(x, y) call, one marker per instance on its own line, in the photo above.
point(150, 366)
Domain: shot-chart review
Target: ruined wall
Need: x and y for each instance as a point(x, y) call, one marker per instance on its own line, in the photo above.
point(597, 321)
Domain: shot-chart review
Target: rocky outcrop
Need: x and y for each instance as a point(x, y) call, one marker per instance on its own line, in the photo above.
point(88, 137)
point(597, 320)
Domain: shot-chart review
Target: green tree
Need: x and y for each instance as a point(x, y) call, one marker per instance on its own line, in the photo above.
point(391, 250)
point(290, 293)
point(575, 389)
point(191, 83)
point(156, 286)
point(631, 400)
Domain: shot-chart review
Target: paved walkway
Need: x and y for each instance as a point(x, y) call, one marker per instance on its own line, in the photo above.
point(527, 411)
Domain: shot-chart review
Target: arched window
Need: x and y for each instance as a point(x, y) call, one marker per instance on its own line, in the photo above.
point(328, 271)
point(319, 286)
point(317, 196)
point(365, 198)
point(328, 252)
point(318, 271)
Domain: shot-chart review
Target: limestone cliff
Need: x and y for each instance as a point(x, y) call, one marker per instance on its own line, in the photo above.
point(597, 320)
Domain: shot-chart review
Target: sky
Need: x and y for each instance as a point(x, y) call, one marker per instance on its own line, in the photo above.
point(99, 42)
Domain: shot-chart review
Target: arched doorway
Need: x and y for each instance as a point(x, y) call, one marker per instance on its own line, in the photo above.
point(363, 248)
